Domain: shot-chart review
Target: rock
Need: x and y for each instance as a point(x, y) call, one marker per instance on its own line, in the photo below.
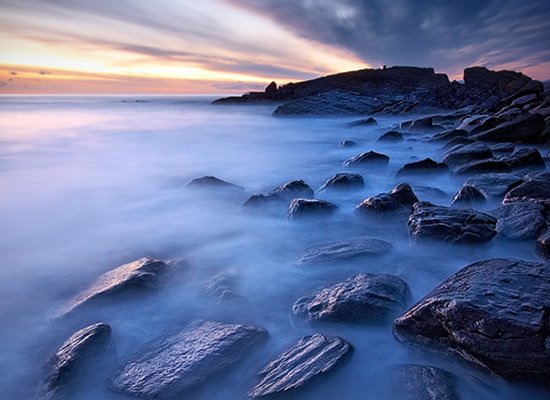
point(525, 158)
point(301, 208)
point(423, 124)
point(221, 286)
point(533, 190)
point(347, 143)
point(492, 313)
point(467, 196)
point(399, 199)
point(450, 225)
point(502, 148)
point(342, 251)
point(211, 182)
point(311, 357)
point(523, 129)
point(184, 361)
point(465, 154)
point(258, 200)
point(521, 220)
point(271, 89)
point(144, 272)
point(448, 135)
point(458, 141)
point(68, 361)
point(370, 121)
point(360, 298)
point(494, 185)
point(426, 165)
point(391, 136)
point(343, 180)
point(543, 246)
point(283, 193)
point(419, 382)
point(428, 191)
point(368, 158)
point(483, 167)
point(524, 100)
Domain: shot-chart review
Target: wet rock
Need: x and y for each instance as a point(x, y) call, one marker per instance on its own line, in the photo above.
point(492, 313)
point(502, 148)
point(221, 286)
point(458, 141)
point(495, 185)
point(422, 124)
point(144, 272)
point(467, 196)
point(391, 136)
point(428, 191)
point(399, 199)
point(311, 357)
point(301, 208)
point(543, 246)
point(341, 251)
point(186, 360)
point(450, 225)
point(344, 180)
point(426, 165)
point(465, 154)
point(347, 143)
point(283, 193)
point(419, 382)
point(520, 220)
point(212, 182)
point(483, 167)
point(360, 298)
point(525, 158)
point(79, 349)
point(368, 158)
point(533, 190)
point(258, 200)
point(370, 121)
point(523, 129)
point(448, 135)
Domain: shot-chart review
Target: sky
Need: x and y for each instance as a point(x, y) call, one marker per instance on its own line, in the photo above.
point(234, 46)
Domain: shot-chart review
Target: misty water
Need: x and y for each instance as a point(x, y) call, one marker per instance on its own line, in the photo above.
point(90, 183)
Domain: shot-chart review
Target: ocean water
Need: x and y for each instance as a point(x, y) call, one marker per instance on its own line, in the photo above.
point(90, 183)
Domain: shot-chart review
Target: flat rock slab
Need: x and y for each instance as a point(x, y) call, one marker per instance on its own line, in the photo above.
point(494, 185)
point(419, 382)
point(144, 272)
point(450, 225)
point(344, 251)
point(184, 361)
point(306, 208)
point(400, 199)
point(492, 313)
point(79, 348)
point(360, 298)
point(309, 359)
point(521, 220)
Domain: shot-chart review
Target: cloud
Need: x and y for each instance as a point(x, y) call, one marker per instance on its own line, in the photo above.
point(443, 34)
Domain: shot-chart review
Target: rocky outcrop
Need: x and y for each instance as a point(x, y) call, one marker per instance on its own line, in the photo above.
point(520, 220)
point(368, 158)
point(450, 225)
point(420, 382)
point(399, 200)
point(492, 313)
point(186, 360)
point(426, 166)
point(307, 360)
point(142, 273)
point(343, 181)
point(360, 298)
point(341, 251)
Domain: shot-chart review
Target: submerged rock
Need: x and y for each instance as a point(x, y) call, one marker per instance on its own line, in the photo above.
point(343, 180)
point(391, 136)
point(144, 272)
point(302, 208)
point(399, 199)
point(283, 193)
point(426, 165)
point(492, 313)
point(494, 185)
point(82, 346)
point(467, 196)
point(370, 121)
point(360, 298)
point(186, 360)
point(420, 382)
point(344, 251)
point(297, 367)
point(520, 220)
point(221, 286)
point(347, 143)
point(368, 158)
point(211, 182)
point(450, 225)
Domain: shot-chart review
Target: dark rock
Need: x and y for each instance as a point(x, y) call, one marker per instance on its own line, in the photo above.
point(184, 361)
point(77, 350)
point(521, 220)
point(344, 180)
point(284, 193)
point(391, 136)
point(533, 190)
point(488, 123)
point(211, 182)
point(144, 272)
point(428, 191)
point(370, 121)
point(399, 199)
point(368, 158)
point(467, 196)
point(258, 199)
point(419, 382)
point(502, 148)
point(297, 367)
point(347, 143)
point(493, 313)
point(450, 225)
point(422, 124)
point(494, 185)
point(484, 167)
point(524, 100)
point(301, 208)
point(543, 246)
point(221, 286)
point(271, 89)
point(458, 141)
point(523, 129)
point(448, 135)
point(465, 154)
point(525, 158)
point(426, 165)
point(341, 251)
point(360, 298)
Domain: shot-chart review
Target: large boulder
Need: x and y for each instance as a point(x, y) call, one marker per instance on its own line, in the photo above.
point(494, 185)
point(520, 220)
point(343, 180)
point(450, 225)
point(427, 165)
point(524, 129)
point(360, 298)
point(341, 251)
point(308, 359)
point(304, 208)
point(419, 382)
point(399, 200)
point(492, 313)
point(186, 360)
point(142, 273)
point(368, 158)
